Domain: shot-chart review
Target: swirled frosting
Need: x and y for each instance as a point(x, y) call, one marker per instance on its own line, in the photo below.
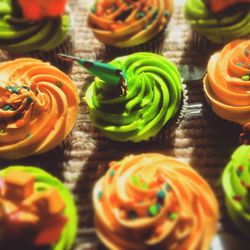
point(38, 107)
point(43, 181)
point(153, 97)
point(129, 23)
point(221, 27)
point(151, 201)
point(236, 185)
point(18, 35)
point(227, 84)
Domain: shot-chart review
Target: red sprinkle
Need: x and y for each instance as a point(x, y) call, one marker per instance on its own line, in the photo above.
point(112, 198)
point(19, 123)
point(237, 197)
point(160, 178)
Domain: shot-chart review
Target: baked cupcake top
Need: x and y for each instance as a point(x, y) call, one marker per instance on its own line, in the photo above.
point(227, 84)
point(25, 29)
point(153, 97)
point(36, 210)
point(38, 107)
point(236, 185)
point(129, 23)
point(218, 27)
point(154, 201)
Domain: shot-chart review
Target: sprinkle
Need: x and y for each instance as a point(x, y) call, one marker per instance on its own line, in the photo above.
point(135, 180)
point(132, 214)
point(144, 186)
point(59, 84)
point(29, 100)
point(93, 9)
point(245, 78)
point(99, 195)
point(112, 172)
point(7, 107)
point(172, 216)
point(138, 198)
point(123, 214)
point(237, 197)
point(140, 15)
point(112, 198)
point(14, 89)
point(239, 64)
point(19, 123)
point(246, 52)
point(161, 195)
point(242, 183)
point(153, 210)
point(167, 187)
point(166, 13)
point(160, 178)
point(158, 230)
point(239, 170)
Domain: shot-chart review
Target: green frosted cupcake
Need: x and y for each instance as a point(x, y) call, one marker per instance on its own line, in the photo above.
point(41, 35)
point(153, 97)
point(36, 210)
point(236, 185)
point(217, 22)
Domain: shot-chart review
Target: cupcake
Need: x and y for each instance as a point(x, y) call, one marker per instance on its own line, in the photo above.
point(36, 210)
point(38, 107)
point(130, 26)
point(236, 184)
point(35, 28)
point(227, 85)
point(216, 21)
point(148, 96)
point(151, 201)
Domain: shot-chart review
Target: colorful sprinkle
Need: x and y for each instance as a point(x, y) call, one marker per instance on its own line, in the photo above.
point(7, 107)
point(140, 15)
point(112, 172)
point(172, 216)
point(135, 180)
point(239, 64)
point(138, 198)
point(239, 170)
point(161, 195)
point(237, 197)
point(246, 52)
point(93, 9)
point(166, 13)
point(160, 178)
point(59, 84)
point(153, 210)
point(168, 187)
point(29, 100)
point(14, 89)
point(132, 214)
point(19, 123)
point(144, 186)
point(112, 198)
point(245, 78)
point(100, 195)
point(158, 230)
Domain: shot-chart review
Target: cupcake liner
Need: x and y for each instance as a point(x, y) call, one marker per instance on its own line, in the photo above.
point(153, 45)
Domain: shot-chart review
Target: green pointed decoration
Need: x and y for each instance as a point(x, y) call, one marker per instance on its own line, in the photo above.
point(106, 72)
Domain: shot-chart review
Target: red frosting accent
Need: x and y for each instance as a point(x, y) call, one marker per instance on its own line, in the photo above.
point(38, 9)
point(245, 135)
point(218, 5)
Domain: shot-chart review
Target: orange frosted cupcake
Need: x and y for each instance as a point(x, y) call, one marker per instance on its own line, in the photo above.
point(151, 201)
point(130, 26)
point(38, 107)
point(227, 83)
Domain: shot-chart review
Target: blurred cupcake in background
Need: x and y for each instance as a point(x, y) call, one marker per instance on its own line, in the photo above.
point(35, 28)
point(216, 22)
point(130, 26)
point(227, 87)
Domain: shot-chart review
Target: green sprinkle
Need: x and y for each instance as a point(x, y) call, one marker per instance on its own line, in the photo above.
point(132, 214)
point(14, 89)
point(166, 13)
point(93, 9)
point(29, 100)
point(245, 78)
point(153, 210)
point(7, 107)
point(112, 172)
point(161, 195)
point(135, 180)
point(167, 187)
point(239, 64)
point(99, 195)
point(140, 15)
point(144, 186)
point(172, 216)
point(59, 84)
point(246, 52)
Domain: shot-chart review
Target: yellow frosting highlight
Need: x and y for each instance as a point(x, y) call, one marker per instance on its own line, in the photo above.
point(151, 200)
point(227, 83)
point(38, 107)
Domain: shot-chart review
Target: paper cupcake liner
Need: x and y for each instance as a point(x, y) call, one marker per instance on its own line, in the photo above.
point(153, 45)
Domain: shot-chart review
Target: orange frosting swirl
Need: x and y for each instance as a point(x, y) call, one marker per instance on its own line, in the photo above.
point(227, 84)
point(129, 23)
point(38, 107)
point(151, 201)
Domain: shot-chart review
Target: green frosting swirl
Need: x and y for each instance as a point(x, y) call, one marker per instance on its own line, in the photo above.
point(44, 180)
point(218, 28)
point(153, 97)
point(236, 185)
point(18, 35)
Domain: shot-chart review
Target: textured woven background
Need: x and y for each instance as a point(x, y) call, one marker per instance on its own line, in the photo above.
point(82, 158)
